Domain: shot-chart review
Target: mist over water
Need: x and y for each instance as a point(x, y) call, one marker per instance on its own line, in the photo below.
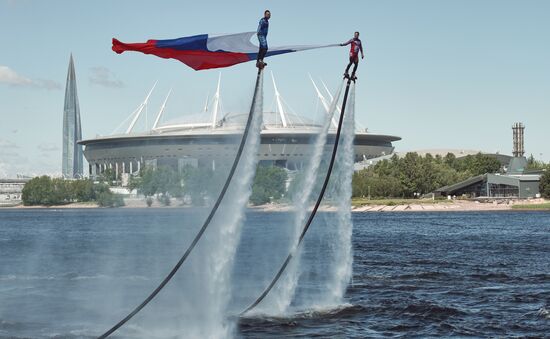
point(280, 298)
point(323, 282)
point(223, 238)
point(340, 257)
point(209, 282)
point(194, 303)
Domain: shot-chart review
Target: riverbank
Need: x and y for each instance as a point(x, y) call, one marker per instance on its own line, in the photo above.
point(358, 205)
point(67, 206)
point(452, 205)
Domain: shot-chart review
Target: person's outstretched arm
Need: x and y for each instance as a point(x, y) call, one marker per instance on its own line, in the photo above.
point(346, 43)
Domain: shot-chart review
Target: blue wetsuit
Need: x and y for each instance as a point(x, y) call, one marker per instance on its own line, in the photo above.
point(263, 27)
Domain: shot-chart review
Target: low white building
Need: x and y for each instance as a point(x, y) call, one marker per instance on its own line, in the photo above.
point(11, 191)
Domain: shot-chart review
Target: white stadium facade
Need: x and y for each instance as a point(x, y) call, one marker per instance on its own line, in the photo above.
point(203, 139)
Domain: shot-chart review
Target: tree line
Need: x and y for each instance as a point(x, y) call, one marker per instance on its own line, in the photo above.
point(544, 184)
point(397, 177)
point(414, 175)
point(49, 191)
point(197, 185)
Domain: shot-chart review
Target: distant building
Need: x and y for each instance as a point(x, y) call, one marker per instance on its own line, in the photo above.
point(10, 191)
point(72, 161)
point(495, 186)
point(517, 182)
point(201, 140)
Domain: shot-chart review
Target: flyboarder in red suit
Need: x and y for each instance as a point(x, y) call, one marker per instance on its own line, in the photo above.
point(356, 46)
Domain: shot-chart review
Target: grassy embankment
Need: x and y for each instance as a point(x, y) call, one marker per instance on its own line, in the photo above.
point(393, 202)
point(535, 207)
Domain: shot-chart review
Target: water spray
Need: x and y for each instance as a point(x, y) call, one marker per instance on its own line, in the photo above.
point(257, 91)
point(313, 212)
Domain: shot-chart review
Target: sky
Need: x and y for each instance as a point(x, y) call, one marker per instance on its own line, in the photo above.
point(438, 74)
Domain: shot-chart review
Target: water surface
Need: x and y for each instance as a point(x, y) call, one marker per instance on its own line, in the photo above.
point(74, 273)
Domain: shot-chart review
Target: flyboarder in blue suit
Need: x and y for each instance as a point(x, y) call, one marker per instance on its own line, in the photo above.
point(263, 27)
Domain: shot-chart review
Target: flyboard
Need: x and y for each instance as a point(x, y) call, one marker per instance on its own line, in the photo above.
point(262, 296)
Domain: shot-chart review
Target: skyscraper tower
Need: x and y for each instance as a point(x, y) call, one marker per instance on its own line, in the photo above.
point(72, 165)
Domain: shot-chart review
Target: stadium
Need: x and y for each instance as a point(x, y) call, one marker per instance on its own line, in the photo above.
point(204, 138)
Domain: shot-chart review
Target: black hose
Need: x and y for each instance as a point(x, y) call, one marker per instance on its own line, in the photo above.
point(313, 212)
point(206, 222)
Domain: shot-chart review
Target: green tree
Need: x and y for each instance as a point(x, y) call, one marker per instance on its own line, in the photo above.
point(411, 173)
point(46, 191)
point(37, 191)
point(134, 182)
point(384, 187)
point(108, 176)
point(198, 184)
point(544, 185)
point(109, 199)
point(477, 164)
point(367, 183)
point(57, 191)
point(60, 193)
point(450, 160)
point(269, 184)
point(359, 185)
point(402, 177)
point(82, 190)
point(106, 198)
point(533, 164)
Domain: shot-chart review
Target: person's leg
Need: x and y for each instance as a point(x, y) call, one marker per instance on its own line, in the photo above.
point(261, 55)
point(349, 65)
point(263, 50)
point(356, 64)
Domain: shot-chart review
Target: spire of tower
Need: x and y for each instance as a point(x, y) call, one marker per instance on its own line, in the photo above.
point(72, 159)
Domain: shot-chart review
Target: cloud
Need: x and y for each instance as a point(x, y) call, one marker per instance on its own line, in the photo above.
point(48, 147)
point(102, 76)
point(14, 164)
point(3, 170)
point(4, 153)
point(10, 77)
point(47, 84)
point(14, 160)
point(7, 144)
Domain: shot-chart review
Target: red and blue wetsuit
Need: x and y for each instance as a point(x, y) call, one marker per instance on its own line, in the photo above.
point(355, 48)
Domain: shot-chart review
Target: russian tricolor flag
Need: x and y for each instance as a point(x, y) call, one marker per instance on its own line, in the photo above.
point(206, 51)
